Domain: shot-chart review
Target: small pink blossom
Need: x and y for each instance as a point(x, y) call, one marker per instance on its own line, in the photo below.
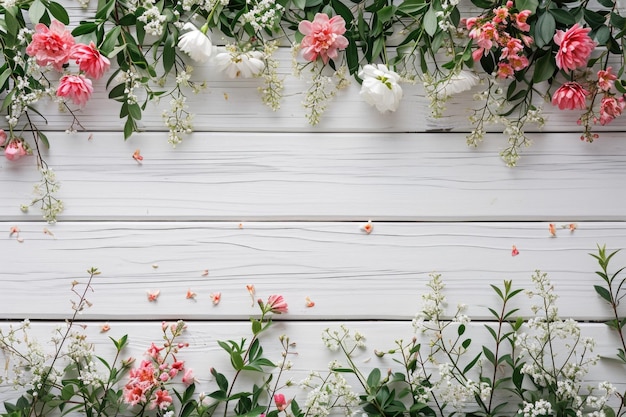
point(3, 137)
point(188, 377)
point(575, 47)
point(162, 400)
point(514, 251)
point(501, 14)
point(277, 304)
point(51, 45)
point(518, 62)
point(323, 37)
point(610, 108)
point(520, 20)
point(281, 403)
point(570, 96)
point(216, 297)
point(154, 351)
point(505, 70)
point(14, 150)
point(89, 60)
point(76, 87)
point(606, 79)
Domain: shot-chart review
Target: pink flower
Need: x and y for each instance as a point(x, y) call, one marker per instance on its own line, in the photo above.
point(520, 20)
point(518, 62)
point(277, 304)
point(3, 137)
point(575, 47)
point(162, 400)
point(188, 377)
point(51, 45)
point(570, 96)
point(89, 60)
point(76, 87)
point(323, 37)
point(281, 403)
point(605, 79)
point(610, 108)
point(153, 352)
point(14, 150)
point(505, 70)
point(501, 14)
point(140, 380)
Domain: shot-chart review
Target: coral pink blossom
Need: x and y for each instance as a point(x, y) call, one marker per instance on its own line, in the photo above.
point(140, 380)
point(281, 403)
point(3, 137)
point(14, 150)
point(518, 62)
point(610, 108)
point(605, 79)
point(505, 70)
point(570, 96)
point(162, 400)
point(277, 304)
point(323, 37)
point(89, 60)
point(51, 45)
point(77, 88)
point(520, 20)
point(575, 47)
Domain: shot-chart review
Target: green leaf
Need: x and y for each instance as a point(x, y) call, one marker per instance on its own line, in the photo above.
point(386, 13)
point(59, 12)
point(412, 7)
point(544, 30)
point(604, 293)
point(343, 370)
point(169, 53)
point(601, 34)
point(562, 16)
point(4, 76)
point(544, 68)
point(607, 3)
point(110, 39)
point(43, 138)
point(373, 380)
point(103, 13)
point(460, 330)
point(299, 4)
point(466, 343)
point(527, 5)
point(84, 28)
point(129, 127)
point(237, 361)
point(430, 21)
point(343, 11)
point(489, 355)
point(593, 19)
point(377, 48)
point(36, 11)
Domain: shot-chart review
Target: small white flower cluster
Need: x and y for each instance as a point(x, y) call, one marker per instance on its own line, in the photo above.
point(334, 339)
point(153, 20)
point(132, 82)
point(44, 192)
point(433, 303)
point(23, 355)
point(322, 90)
point(329, 393)
point(178, 119)
point(444, 15)
point(538, 408)
point(262, 14)
point(273, 85)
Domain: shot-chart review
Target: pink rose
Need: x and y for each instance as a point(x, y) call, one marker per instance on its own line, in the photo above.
point(570, 96)
point(575, 47)
point(51, 45)
point(14, 150)
point(3, 137)
point(76, 87)
point(605, 79)
point(89, 60)
point(610, 108)
point(323, 37)
point(277, 304)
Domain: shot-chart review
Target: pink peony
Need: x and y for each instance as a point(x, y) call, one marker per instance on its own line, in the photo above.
point(51, 45)
point(76, 87)
point(277, 304)
point(575, 47)
point(323, 37)
point(14, 150)
point(89, 60)
point(605, 79)
point(610, 108)
point(570, 96)
point(3, 137)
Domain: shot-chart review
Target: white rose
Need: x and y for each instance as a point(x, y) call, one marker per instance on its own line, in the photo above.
point(380, 87)
point(240, 64)
point(195, 43)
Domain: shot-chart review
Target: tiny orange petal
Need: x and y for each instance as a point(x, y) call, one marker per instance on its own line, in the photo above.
point(241, 225)
point(514, 251)
point(105, 328)
point(205, 273)
point(250, 288)
point(153, 295)
point(190, 295)
point(216, 297)
point(552, 230)
point(14, 230)
point(137, 156)
point(309, 302)
point(573, 226)
point(367, 227)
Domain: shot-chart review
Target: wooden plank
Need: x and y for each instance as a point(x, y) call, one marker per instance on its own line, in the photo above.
point(204, 353)
point(346, 272)
point(255, 176)
point(227, 105)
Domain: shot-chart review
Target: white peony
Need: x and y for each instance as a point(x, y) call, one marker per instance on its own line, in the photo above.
point(195, 43)
point(236, 63)
point(380, 87)
point(457, 83)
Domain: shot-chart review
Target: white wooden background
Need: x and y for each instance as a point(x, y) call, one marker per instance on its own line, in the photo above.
point(257, 197)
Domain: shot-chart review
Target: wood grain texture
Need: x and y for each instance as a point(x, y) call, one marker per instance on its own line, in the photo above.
point(241, 176)
point(346, 272)
point(204, 353)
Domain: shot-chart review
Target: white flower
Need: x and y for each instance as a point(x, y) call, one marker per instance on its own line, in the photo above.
point(236, 63)
point(457, 83)
point(195, 43)
point(380, 87)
